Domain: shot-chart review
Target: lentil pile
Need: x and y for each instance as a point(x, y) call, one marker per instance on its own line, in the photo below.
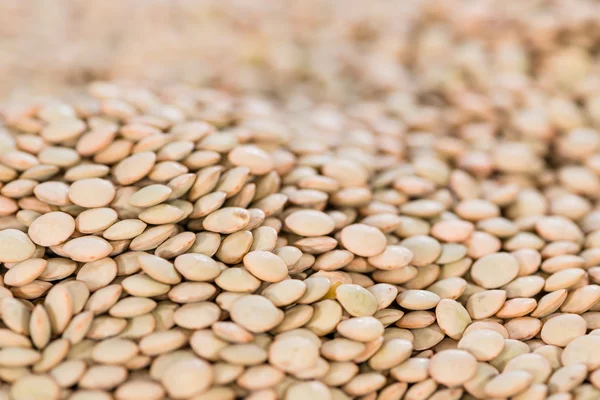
point(440, 241)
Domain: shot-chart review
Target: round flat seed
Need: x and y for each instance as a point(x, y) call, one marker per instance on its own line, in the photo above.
point(362, 329)
point(234, 247)
point(97, 274)
point(104, 377)
point(84, 171)
point(92, 192)
point(78, 327)
point(126, 229)
point(549, 303)
point(144, 286)
point(62, 130)
point(8, 206)
point(563, 279)
point(161, 214)
point(416, 320)
point(526, 286)
point(483, 344)
point(451, 252)
point(266, 266)
point(475, 386)
point(293, 354)
point(79, 294)
point(60, 156)
point(15, 246)
point(34, 387)
point(237, 280)
point(11, 339)
point(40, 328)
point(310, 223)
point(582, 350)
point(285, 292)
point(393, 257)
point(257, 160)
point(188, 377)
point(425, 249)
point(534, 392)
point(316, 245)
point(411, 371)
point(103, 299)
point(134, 167)
point(246, 354)
point(508, 384)
point(384, 293)
point(159, 269)
point(90, 395)
point(189, 292)
point(452, 318)
point(139, 327)
point(67, 373)
point(535, 364)
point(197, 267)
point(233, 180)
point(140, 389)
point(452, 367)
point(449, 288)
point(396, 276)
point(87, 248)
point(25, 272)
point(18, 357)
point(567, 378)
point(452, 231)
point(518, 307)
point(197, 315)
point(31, 290)
point(422, 208)
point(495, 270)
point(150, 195)
point(554, 228)
point(581, 299)
point(418, 299)
point(291, 255)
point(427, 337)
point(392, 353)
point(53, 193)
point(260, 377)
point(162, 342)
point(363, 240)
point(562, 329)
point(52, 355)
point(59, 305)
point(255, 313)
point(227, 220)
point(105, 327)
point(206, 243)
point(356, 300)
point(95, 220)
point(114, 351)
point(523, 328)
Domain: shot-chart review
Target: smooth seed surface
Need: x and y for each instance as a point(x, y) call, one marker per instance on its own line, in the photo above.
point(363, 240)
point(452, 367)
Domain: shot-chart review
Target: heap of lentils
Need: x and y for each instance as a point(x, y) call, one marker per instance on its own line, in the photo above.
point(184, 243)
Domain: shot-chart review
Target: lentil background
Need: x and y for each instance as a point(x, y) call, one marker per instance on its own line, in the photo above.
point(299, 200)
